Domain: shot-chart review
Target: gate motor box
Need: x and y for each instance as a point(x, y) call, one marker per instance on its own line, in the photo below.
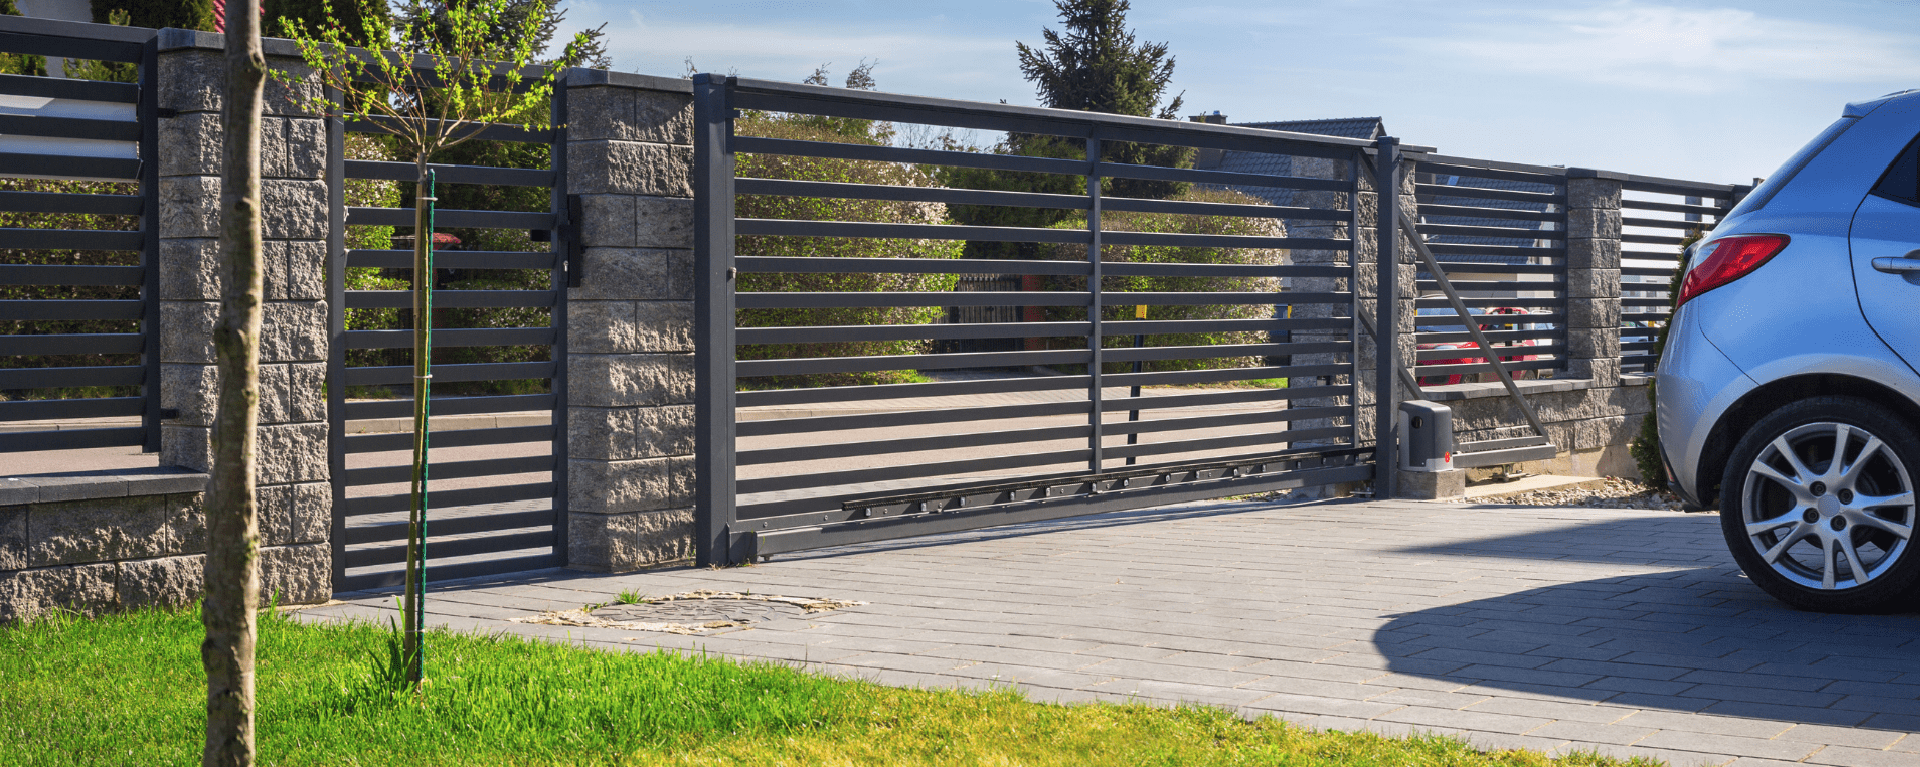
point(1426, 436)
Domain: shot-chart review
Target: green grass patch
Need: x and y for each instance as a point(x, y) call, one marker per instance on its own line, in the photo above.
point(127, 689)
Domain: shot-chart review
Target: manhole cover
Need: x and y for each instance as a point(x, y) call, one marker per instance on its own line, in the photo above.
point(700, 611)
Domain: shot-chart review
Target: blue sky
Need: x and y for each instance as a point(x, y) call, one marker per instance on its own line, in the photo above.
point(1708, 91)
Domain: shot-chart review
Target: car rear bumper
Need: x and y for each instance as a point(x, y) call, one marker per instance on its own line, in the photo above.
point(1697, 383)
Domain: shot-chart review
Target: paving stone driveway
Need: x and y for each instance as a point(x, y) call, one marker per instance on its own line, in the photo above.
point(1626, 632)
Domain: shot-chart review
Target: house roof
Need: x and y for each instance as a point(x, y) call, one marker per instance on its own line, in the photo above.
point(1344, 127)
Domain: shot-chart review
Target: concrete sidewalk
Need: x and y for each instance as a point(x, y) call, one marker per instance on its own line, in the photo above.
point(1626, 632)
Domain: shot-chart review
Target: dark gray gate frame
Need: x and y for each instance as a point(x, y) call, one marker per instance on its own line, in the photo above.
point(719, 539)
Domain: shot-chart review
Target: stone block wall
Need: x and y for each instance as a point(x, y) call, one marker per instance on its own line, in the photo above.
point(630, 323)
point(99, 542)
point(293, 472)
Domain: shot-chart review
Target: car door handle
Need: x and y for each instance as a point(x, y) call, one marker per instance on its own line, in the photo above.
point(1908, 264)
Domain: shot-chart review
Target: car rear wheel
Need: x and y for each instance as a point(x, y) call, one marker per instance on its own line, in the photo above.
point(1818, 506)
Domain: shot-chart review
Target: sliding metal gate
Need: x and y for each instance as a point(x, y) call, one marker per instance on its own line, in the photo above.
point(825, 420)
point(498, 465)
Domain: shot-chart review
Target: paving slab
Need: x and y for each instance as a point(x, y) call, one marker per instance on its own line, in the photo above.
point(1618, 631)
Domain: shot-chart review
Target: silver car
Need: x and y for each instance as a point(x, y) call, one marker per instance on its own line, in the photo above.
point(1787, 393)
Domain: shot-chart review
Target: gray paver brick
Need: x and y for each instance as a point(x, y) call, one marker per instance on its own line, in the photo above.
point(1588, 732)
point(1729, 745)
point(1845, 756)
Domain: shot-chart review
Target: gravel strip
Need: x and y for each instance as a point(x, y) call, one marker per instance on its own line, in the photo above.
point(1618, 493)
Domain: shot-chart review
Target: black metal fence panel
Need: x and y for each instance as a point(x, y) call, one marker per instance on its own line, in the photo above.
point(1657, 216)
point(498, 470)
point(872, 366)
point(79, 352)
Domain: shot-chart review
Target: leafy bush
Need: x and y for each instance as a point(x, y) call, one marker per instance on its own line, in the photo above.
point(1116, 288)
point(839, 130)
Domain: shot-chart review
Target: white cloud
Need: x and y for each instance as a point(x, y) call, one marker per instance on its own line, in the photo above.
point(1678, 49)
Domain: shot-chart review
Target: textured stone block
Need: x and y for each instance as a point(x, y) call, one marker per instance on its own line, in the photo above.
point(663, 326)
point(607, 220)
point(186, 331)
point(607, 543)
point(627, 167)
point(295, 513)
point(293, 331)
point(663, 118)
point(614, 487)
point(88, 589)
point(626, 114)
point(190, 206)
point(624, 380)
point(195, 80)
point(635, 273)
point(189, 447)
point(273, 393)
point(1593, 193)
point(1601, 432)
point(191, 389)
point(1596, 223)
point(1603, 372)
point(190, 145)
point(109, 529)
point(13, 537)
point(602, 434)
point(169, 582)
point(663, 222)
point(307, 392)
point(1433, 484)
point(293, 148)
point(190, 270)
point(1587, 253)
point(664, 431)
point(600, 327)
point(293, 210)
point(1593, 283)
point(296, 269)
point(1593, 313)
point(292, 453)
point(296, 575)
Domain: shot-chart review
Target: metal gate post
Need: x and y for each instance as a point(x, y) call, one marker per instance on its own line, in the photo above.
point(337, 339)
point(1096, 339)
point(561, 240)
point(1386, 334)
point(713, 274)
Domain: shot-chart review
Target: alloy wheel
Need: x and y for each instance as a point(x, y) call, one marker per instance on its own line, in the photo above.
point(1828, 506)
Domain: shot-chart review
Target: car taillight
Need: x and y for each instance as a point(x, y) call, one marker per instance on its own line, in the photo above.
point(1728, 259)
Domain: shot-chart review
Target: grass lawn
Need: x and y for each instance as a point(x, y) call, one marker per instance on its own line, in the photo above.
point(127, 690)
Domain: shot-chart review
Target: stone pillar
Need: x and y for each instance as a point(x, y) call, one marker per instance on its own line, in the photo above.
point(630, 322)
point(1366, 249)
point(294, 495)
point(1323, 168)
point(1593, 276)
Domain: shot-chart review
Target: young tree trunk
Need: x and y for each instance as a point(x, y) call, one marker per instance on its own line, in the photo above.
point(412, 651)
point(233, 530)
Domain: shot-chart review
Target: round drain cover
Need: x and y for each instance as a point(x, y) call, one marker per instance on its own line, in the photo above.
point(698, 611)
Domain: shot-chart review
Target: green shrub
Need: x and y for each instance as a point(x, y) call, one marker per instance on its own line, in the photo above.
point(1116, 288)
point(774, 207)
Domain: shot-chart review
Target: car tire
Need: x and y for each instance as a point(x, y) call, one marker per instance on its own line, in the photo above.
point(1804, 527)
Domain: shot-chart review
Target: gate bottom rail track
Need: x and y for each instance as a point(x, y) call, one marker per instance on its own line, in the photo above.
point(972, 507)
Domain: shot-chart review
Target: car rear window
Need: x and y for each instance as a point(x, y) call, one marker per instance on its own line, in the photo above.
point(1764, 193)
point(1902, 179)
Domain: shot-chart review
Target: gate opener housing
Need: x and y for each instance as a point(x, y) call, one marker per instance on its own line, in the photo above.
point(1426, 436)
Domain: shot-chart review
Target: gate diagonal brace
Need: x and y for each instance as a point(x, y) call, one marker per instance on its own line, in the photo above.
point(1043, 489)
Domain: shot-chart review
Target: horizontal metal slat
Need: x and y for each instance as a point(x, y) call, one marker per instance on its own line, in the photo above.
point(1545, 176)
point(1222, 241)
point(1441, 303)
point(806, 265)
point(1337, 325)
point(1516, 251)
point(446, 404)
point(1219, 178)
point(471, 131)
point(1424, 371)
point(76, 343)
point(1535, 317)
point(1138, 269)
point(403, 440)
point(769, 227)
point(1221, 442)
point(72, 47)
point(1434, 210)
point(835, 423)
point(462, 525)
point(442, 573)
point(481, 219)
point(71, 439)
point(1672, 207)
point(929, 469)
point(69, 166)
point(452, 259)
point(826, 365)
point(60, 202)
point(931, 332)
point(861, 299)
point(1162, 425)
point(1676, 187)
point(1221, 376)
point(1512, 233)
point(69, 239)
point(447, 549)
point(450, 299)
point(982, 160)
point(47, 378)
point(1505, 353)
point(450, 499)
point(1508, 455)
point(1651, 239)
point(36, 274)
point(817, 395)
point(482, 467)
point(1213, 399)
point(451, 338)
point(1008, 437)
point(1659, 223)
point(1155, 353)
point(1456, 266)
point(69, 127)
point(1439, 190)
point(1493, 336)
point(49, 409)
point(1490, 285)
point(381, 170)
point(69, 88)
point(1183, 207)
point(490, 371)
